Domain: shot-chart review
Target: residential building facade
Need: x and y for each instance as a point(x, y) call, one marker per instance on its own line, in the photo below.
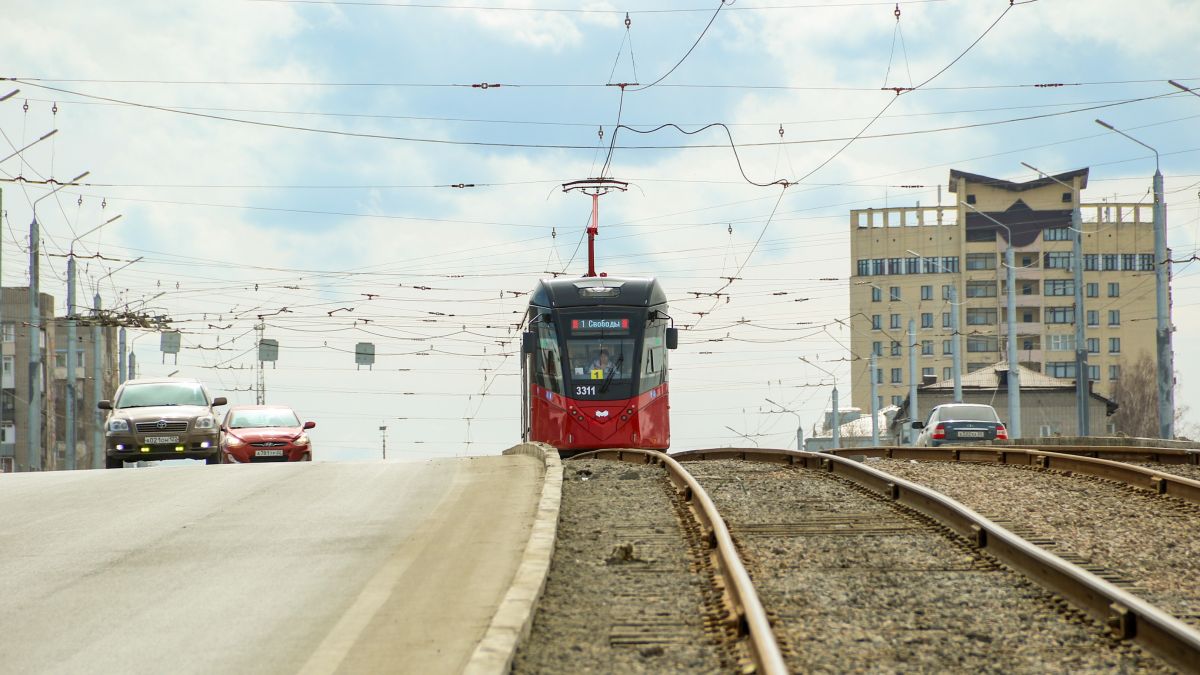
point(906, 260)
point(89, 420)
point(15, 381)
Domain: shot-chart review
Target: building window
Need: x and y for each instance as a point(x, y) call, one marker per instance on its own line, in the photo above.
point(876, 294)
point(1091, 262)
point(1028, 287)
point(1060, 368)
point(8, 433)
point(981, 343)
point(1058, 260)
point(926, 319)
point(1029, 261)
point(927, 372)
point(864, 268)
point(1093, 317)
point(897, 401)
point(1145, 262)
point(927, 292)
point(875, 323)
point(10, 331)
point(894, 293)
point(946, 320)
point(1114, 345)
point(926, 347)
point(947, 373)
point(877, 266)
point(878, 402)
point(981, 316)
point(981, 289)
point(912, 266)
point(1094, 373)
point(879, 376)
point(1059, 287)
point(877, 348)
point(1110, 262)
point(950, 264)
point(895, 348)
point(1093, 290)
point(896, 376)
point(947, 346)
point(1093, 345)
point(981, 261)
point(894, 321)
point(1128, 262)
point(1114, 317)
point(1114, 289)
point(1061, 343)
point(1057, 234)
point(1060, 314)
point(970, 199)
point(1114, 372)
point(895, 266)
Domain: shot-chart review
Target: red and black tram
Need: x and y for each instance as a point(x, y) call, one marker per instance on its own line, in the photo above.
point(594, 364)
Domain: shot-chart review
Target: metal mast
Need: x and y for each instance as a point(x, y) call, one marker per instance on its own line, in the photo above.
point(595, 188)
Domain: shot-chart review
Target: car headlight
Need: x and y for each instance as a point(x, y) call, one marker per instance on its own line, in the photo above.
point(301, 440)
point(205, 422)
point(232, 441)
point(118, 425)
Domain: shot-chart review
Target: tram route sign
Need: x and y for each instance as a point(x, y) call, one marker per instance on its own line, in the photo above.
point(601, 324)
point(364, 354)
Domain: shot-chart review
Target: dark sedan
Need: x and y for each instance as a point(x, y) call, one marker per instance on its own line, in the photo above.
point(264, 433)
point(960, 423)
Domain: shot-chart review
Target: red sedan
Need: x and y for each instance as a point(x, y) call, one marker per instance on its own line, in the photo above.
point(264, 433)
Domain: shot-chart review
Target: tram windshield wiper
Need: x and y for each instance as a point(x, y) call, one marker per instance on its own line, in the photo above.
point(609, 377)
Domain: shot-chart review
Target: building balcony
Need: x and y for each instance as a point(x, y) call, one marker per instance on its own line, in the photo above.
point(1023, 328)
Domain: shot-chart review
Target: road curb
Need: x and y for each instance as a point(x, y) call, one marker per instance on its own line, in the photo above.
point(514, 618)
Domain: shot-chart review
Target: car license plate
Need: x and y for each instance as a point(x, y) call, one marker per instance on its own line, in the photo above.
point(268, 453)
point(970, 434)
point(161, 440)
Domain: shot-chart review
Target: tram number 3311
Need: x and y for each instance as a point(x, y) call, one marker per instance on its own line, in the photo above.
point(589, 390)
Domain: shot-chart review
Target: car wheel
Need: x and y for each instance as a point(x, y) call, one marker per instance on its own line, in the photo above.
point(113, 463)
point(217, 457)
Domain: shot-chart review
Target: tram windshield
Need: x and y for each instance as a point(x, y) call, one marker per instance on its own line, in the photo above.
point(601, 358)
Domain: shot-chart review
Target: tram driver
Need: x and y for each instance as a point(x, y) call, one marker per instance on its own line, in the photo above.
point(602, 364)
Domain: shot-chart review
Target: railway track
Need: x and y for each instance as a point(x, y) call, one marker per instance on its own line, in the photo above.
point(963, 560)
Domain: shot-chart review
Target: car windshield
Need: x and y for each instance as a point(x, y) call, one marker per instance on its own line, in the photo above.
point(248, 419)
point(161, 393)
point(967, 413)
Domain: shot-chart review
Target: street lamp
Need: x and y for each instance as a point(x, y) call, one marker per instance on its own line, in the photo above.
point(1162, 281)
point(799, 425)
point(1014, 367)
point(34, 433)
point(69, 406)
point(1082, 376)
point(742, 435)
point(836, 421)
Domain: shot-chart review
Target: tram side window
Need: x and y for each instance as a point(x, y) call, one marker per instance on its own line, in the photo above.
point(654, 357)
point(548, 358)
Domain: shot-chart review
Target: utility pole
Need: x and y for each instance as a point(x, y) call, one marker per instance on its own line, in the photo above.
point(837, 420)
point(260, 387)
point(120, 355)
point(913, 375)
point(799, 426)
point(383, 440)
point(97, 389)
point(874, 403)
point(1162, 293)
point(34, 434)
point(955, 348)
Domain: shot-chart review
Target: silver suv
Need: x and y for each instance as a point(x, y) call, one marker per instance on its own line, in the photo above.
point(161, 419)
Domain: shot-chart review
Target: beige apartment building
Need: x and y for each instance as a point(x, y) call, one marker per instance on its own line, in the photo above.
point(905, 260)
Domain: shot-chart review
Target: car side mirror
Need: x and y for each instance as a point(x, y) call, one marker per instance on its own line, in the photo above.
point(310, 425)
point(104, 405)
point(672, 338)
point(220, 400)
point(918, 425)
point(528, 342)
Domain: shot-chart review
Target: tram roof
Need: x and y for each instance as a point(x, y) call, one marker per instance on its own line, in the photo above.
point(570, 292)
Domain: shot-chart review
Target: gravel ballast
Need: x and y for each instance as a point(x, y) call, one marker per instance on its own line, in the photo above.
point(1184, 470)
point(1147, 539)
point(857, 584)
point(624, 594)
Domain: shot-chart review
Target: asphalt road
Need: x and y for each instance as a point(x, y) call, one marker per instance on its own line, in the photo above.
point(313, 567)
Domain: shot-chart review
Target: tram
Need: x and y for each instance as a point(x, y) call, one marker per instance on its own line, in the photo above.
point(594, 364)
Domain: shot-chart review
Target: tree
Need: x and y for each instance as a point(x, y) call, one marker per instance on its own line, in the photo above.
point(1136, 396)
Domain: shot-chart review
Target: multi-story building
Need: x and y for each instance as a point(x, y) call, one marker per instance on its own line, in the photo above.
point(89, 420)
point(15, 381)
point(905, 261)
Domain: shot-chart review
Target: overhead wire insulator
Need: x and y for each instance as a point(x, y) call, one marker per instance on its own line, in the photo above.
point(781, 131)
point(628, 21)
point(897, 12)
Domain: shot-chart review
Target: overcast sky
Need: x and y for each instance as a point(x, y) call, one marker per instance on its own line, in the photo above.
point(295, 160)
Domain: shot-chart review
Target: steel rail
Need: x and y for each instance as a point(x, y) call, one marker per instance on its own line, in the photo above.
point(1136, 476)
point(752, 621)
point(1126, 615)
